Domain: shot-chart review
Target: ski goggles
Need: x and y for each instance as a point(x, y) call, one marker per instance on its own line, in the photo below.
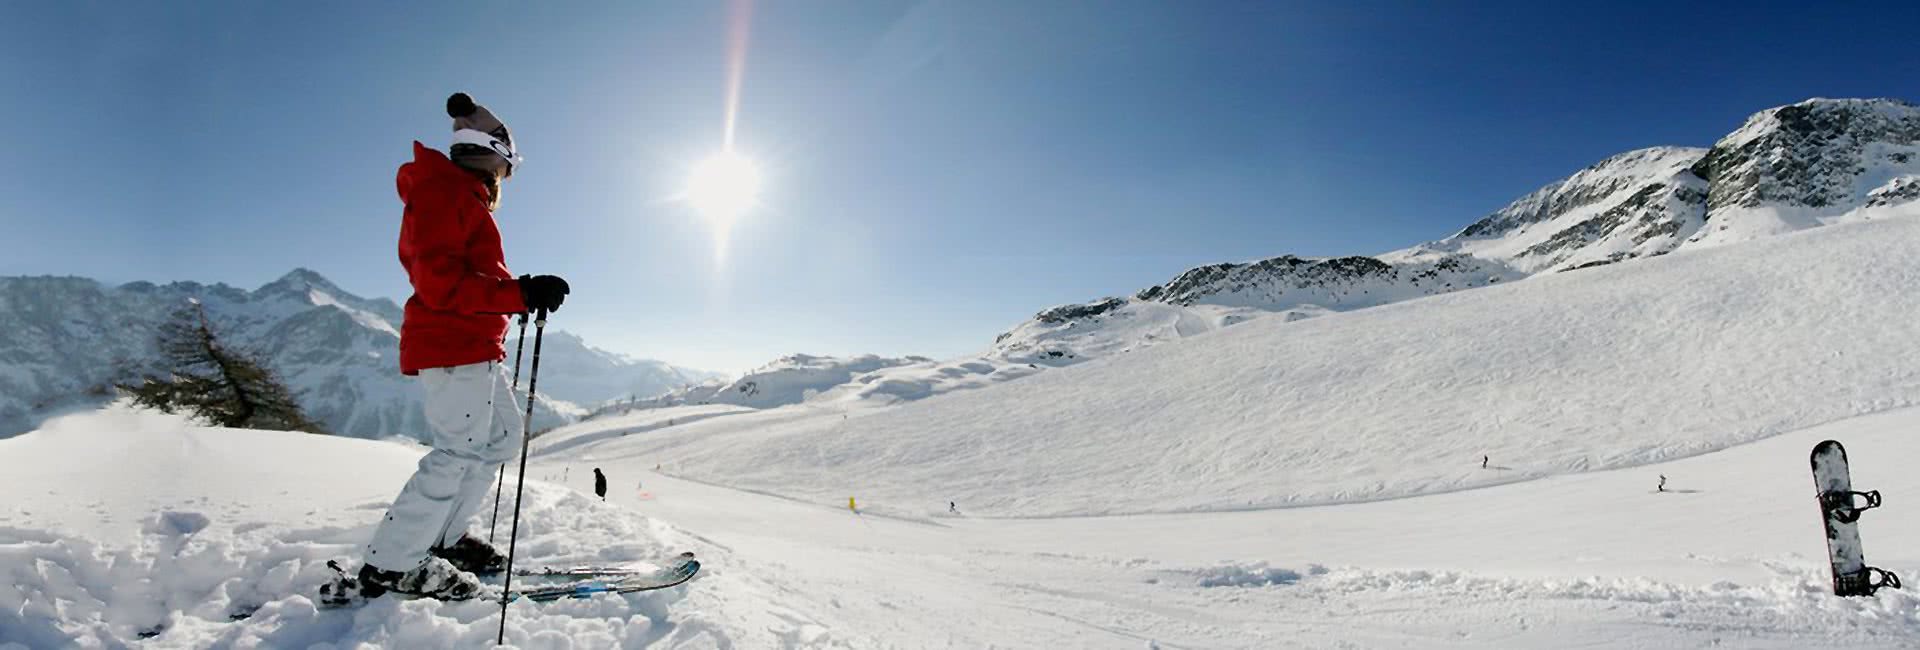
point(483, 139)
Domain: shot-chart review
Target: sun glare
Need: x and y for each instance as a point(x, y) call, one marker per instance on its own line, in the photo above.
point(723, 186)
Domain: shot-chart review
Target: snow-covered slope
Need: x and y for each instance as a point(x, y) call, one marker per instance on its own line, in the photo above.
point(573, 371)
point(846, 383)
point(1731, 556)
point(1608, 367)
point(790, 379)
point(166, 536)
point(70, 339)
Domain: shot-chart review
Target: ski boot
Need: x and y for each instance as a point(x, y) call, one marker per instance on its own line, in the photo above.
point(472, 555)
point(436, 578)
point(341, 591)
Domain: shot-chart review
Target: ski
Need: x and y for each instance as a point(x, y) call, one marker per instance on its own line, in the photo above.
point(1840, 509)
point(343, 590)
point(661, 579)
point(584, 571)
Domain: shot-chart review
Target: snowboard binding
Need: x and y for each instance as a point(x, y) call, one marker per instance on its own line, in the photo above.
point(1842, 505)
point(1865, 581)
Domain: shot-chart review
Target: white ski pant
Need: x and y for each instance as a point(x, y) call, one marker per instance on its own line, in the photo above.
point(475, 421)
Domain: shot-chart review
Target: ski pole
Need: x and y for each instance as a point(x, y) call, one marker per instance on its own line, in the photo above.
point(501, 484)
point(520, 489)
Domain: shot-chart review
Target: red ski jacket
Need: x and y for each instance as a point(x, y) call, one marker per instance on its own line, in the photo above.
point(450, 247)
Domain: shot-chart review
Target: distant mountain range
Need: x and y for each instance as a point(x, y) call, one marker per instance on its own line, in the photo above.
point(1790, 168)
point(69, 339)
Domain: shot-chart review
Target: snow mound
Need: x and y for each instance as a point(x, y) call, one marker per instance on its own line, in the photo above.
point(125, 528)
point(1256, 574)
point(245, 586)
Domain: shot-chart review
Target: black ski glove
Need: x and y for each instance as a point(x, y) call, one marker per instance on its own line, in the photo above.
point(543, 292)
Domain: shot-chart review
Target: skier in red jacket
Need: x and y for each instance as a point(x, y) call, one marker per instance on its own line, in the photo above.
point(453, 339)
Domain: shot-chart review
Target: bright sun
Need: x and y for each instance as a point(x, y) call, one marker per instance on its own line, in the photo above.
point(723, 186)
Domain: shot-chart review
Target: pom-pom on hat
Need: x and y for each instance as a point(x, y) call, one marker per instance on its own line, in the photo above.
point(480, 140)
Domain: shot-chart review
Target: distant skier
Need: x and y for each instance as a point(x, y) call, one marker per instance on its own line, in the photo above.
point(1483, 461)
point(453, 339)
point(953, 508)
point(1663, 484)
point(599, 484)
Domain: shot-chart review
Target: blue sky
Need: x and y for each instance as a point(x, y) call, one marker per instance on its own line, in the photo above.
point(935, 171)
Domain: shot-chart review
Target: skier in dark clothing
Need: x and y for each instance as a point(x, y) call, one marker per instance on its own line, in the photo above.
point(1483, 461)
point(1663, 484)
point(599, 484)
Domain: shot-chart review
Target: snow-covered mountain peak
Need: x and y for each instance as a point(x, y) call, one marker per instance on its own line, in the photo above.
point(304, 288)
point(300, 280)
point(75, 337)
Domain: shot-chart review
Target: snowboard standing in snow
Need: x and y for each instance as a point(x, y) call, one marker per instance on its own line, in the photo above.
point(1840, 508)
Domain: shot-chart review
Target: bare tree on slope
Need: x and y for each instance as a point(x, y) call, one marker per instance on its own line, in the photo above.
point(203, 376)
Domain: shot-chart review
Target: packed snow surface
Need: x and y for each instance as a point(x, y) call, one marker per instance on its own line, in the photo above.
point(126, 530)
